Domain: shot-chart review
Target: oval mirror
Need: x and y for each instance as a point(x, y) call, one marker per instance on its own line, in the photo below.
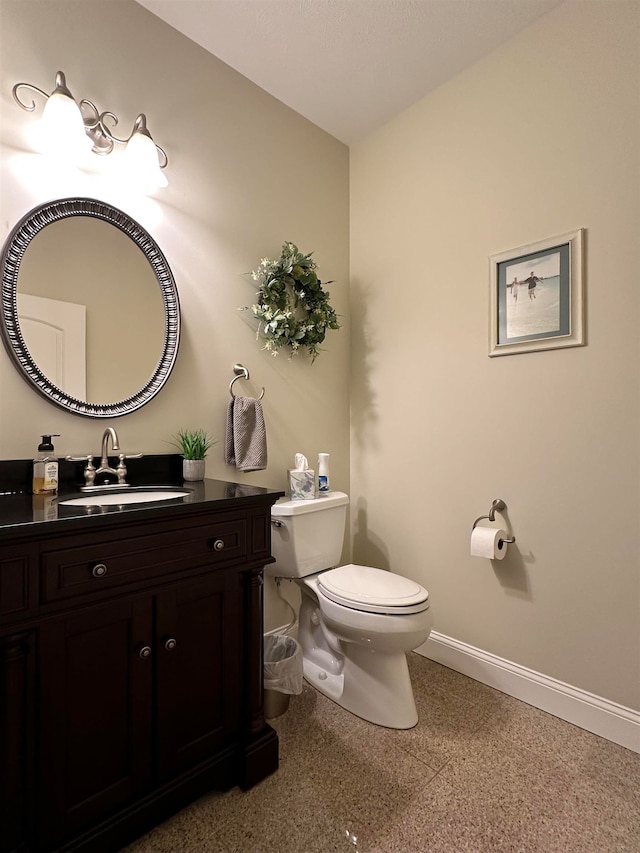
point(89, 309)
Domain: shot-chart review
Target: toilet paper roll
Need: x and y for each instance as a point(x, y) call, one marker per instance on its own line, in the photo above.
point(485, 542)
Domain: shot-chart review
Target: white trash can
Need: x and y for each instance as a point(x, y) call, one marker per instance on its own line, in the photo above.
point(282, 673)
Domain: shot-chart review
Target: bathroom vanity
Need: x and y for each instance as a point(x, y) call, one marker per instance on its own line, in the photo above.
point(130, 634)
point(130, 662)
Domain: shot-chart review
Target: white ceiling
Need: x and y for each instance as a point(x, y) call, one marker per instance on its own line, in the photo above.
point(349, 65)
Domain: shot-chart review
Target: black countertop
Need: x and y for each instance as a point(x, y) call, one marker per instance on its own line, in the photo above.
point(23, 514)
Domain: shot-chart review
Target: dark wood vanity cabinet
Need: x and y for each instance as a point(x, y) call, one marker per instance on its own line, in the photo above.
point(134, 691)
point(131, 676)
point(17, 698)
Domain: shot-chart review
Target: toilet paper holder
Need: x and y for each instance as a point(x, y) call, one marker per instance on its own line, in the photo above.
point(497, 506)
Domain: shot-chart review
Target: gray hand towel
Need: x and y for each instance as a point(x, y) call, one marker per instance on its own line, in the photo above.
point(229, 454)
point(245, 443)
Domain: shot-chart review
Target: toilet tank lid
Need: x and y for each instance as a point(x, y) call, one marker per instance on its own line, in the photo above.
point(298, 507)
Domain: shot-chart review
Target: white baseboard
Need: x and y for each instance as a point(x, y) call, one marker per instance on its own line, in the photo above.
point(586, 710)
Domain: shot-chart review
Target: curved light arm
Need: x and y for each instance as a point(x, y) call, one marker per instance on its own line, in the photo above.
point(29, 107)
point(61, 88)
point(103, 137)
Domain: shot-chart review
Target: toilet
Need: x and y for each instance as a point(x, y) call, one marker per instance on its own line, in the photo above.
point(357, 623)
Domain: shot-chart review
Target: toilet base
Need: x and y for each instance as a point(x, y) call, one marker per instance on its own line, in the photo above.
point(373, 686)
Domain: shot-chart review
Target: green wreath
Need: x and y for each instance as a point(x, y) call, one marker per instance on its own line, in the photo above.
point(293, 309)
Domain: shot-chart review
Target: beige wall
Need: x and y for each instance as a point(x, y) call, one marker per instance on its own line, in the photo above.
point(539, 139)
point(246, 173)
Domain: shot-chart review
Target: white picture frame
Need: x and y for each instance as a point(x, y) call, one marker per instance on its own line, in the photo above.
point(536, 296)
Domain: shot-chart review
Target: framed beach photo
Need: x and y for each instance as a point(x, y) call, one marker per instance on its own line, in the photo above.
point(536, 296)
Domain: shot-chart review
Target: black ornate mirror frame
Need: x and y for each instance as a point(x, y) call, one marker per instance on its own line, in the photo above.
point(10, 260)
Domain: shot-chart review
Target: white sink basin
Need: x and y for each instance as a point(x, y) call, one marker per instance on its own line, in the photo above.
point(126, 497)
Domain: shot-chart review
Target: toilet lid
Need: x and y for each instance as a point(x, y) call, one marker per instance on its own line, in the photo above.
point(373, 590)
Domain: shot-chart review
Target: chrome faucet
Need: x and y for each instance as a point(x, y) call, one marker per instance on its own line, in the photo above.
point(91, 472)
point(104, 461)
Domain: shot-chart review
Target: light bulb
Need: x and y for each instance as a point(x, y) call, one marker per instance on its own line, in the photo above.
point(62, 126)
point(140, 158)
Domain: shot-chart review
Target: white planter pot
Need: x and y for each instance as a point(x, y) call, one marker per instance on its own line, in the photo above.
point(193, 469)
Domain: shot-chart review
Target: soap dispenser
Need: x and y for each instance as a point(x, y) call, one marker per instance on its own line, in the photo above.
point(45, 468)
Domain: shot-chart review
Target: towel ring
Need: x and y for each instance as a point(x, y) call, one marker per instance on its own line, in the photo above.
point(241, 372)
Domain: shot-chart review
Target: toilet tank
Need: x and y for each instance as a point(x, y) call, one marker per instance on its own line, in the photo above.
point(307, 536)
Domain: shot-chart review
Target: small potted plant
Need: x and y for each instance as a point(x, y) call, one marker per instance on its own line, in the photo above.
point(194, 444)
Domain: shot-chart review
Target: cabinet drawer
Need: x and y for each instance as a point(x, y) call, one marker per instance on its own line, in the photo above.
point(113, 562)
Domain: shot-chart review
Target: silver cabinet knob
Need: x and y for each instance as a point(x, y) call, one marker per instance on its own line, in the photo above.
point(170, 644)
point(218, 545)
point(99, 570)
point(145, 652)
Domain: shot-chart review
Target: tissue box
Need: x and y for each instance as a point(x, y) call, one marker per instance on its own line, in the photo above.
point(302, 485)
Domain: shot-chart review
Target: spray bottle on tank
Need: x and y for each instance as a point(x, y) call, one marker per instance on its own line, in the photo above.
point(323, 473)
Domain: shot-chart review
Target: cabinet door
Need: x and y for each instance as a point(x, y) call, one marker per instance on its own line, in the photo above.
point(199, 662)
point(95, 712)
point(16, 740)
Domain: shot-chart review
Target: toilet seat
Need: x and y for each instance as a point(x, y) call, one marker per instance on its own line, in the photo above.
point(373, 590)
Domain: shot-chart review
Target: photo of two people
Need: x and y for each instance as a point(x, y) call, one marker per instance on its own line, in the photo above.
point(533, 296)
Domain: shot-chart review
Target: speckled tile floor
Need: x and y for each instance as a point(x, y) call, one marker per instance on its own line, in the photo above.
point(481, 772)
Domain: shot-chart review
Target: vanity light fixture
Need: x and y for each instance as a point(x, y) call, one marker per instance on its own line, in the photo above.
point(70, 127)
